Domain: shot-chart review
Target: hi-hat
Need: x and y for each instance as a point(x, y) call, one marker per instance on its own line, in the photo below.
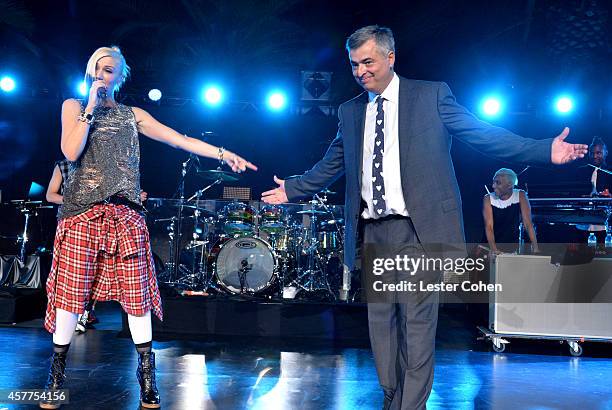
point(203, 211)
point(311, 212)
point(218, 174)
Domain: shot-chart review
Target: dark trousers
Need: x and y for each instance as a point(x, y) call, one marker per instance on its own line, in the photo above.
point(403, 330)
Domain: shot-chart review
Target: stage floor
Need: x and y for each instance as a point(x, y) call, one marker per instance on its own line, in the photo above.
point(241, 373)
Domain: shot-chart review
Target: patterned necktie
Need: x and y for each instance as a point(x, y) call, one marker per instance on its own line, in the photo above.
point(378, 183)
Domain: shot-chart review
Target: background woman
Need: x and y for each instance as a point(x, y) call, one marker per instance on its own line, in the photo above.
point(503, 210)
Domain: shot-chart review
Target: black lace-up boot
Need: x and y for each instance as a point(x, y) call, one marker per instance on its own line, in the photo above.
point(149, 396)
point(55, 381)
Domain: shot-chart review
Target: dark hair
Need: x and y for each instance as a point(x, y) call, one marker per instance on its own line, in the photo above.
point(383, 37)
point(599, 141)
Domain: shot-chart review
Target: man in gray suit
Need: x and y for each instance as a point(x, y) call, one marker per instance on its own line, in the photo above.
point(393, 144)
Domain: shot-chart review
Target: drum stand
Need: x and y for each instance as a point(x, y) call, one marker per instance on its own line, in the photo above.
point(23, 239)
point(345, 284)
point(27, 208)
point(168, 266)
point(339, 227)
point(199, 275)
point(314, 278)
point(283, 264)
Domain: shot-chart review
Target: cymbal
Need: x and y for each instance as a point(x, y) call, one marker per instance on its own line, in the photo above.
point(332, 222)
point(25, 201)
point(327, 192)
point(311, 212)
point(27, 204)
point(203, 211)
point(215, 174)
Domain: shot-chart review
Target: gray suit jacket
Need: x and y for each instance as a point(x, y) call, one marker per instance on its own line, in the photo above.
point(428, 117)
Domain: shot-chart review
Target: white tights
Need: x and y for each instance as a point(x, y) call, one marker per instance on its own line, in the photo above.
point(65, 322)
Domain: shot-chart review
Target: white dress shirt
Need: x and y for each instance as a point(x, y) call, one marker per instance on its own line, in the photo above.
point(391, 160)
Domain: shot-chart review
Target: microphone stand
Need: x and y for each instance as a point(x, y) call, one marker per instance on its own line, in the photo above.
point(202, 268)
point(199, 192)
point(176, 246)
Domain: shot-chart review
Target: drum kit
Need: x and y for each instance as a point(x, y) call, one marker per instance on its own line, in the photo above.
point(247, 248)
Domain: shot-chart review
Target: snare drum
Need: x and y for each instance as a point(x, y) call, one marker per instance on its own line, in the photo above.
point(244, 265)
point(238, 218)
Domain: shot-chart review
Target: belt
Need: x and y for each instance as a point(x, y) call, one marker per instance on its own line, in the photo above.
point(385, 218)
point(120, 200)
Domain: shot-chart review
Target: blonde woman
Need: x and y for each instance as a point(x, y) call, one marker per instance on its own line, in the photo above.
point(102, 248)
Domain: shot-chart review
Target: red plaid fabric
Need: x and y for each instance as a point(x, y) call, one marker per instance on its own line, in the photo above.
point(104, 253)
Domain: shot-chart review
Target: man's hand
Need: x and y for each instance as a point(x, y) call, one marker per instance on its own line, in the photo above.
point(277, 195)
point(563, 152)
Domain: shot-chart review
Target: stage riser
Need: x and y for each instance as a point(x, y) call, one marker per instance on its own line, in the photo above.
point(21, 305)
point(204, 316)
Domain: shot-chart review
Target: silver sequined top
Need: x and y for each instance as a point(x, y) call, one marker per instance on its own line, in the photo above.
point(109, 164)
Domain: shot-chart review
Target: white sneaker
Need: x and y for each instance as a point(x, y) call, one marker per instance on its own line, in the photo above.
point(81, 326)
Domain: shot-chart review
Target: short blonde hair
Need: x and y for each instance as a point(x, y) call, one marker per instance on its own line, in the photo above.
point(509, 174)
point(113, 51)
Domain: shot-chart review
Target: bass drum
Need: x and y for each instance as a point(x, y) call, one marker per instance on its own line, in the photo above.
point(244, 265)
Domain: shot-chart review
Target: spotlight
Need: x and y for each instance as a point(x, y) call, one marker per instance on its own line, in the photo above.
point(7, 84)
point(277, 101)
point(212, 95)
point(564, 104)
point(155, 94)
point(82, 88)
point(491, 107)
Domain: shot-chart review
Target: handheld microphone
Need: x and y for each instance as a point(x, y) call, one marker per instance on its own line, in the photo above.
point(101, 90)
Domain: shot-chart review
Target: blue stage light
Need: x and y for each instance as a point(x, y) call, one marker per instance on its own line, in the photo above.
point(564, 104)
point(277, 101)
point(212, 95)
point(155, 94)
point(7, 84)
point(491, 107)
point(82, 88)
